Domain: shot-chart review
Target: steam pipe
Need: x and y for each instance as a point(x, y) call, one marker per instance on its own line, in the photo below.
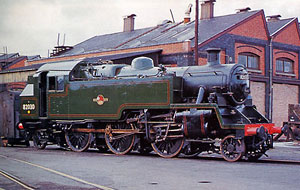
point(200, 95)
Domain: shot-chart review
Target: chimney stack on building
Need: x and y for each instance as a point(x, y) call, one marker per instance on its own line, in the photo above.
point(243, 10)
point(207, 9)
point(187, 17)
point(129, 23)
point(273, 18)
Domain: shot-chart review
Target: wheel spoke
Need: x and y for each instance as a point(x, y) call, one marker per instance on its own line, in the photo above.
point(78, 141)
point(168, 149)
point(164, 146)
point(123, 143)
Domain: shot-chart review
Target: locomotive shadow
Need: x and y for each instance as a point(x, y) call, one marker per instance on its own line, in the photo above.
point(201, 157)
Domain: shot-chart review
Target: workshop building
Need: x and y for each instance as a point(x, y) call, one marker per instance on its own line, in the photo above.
point(268, 46)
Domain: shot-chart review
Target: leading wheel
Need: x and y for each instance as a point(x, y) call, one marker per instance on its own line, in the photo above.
point(38, 142)
point(78, 141)
point(119, 137)
point(232, 149)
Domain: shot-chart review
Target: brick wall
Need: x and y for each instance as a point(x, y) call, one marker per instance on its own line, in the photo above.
point(202, 61)
point(253, 28)
point(223, 59)
point(289, 35)
point(283, 95)
point(258, 95)
point(16, 85)
point(20, 63)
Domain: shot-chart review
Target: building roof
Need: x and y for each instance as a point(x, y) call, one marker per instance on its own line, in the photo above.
point(21, 69)
point(33, 57)
point(92, 59)
point(7, 60)
point(212, 27)
point(6, 63)
point(276, 26)
point(8, 56)
point(104, 42)
point(161, 34)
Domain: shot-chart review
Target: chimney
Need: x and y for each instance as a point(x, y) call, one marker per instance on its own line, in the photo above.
point(273, 18)
point(243, 10)
point(129, 23)
point(207, 9)
point(188, 11)
point(213, 56)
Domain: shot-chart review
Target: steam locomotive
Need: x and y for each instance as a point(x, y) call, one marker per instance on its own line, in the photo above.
point(189, 110)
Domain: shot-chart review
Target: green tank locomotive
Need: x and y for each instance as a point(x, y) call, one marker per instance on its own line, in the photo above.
point(82, 104)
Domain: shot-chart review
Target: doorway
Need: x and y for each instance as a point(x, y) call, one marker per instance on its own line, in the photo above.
point(43, 94)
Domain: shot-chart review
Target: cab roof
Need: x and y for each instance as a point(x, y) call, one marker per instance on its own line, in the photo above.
point(58, 68)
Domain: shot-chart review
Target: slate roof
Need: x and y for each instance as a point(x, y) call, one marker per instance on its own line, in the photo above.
point(161, 34)
point(6, 63)
point(275, 26)
point(8, 56)
point(7, 60)
point(92, 59)
point(33, 57)
point(26, 68)
point(104, 42)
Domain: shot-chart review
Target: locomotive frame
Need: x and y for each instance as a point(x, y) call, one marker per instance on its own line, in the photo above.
point(80, 104)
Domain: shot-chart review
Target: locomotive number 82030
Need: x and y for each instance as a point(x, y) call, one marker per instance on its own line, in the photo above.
point(168, 110)
point(28, 107)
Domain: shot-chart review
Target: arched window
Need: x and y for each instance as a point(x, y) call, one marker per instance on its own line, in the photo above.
point(284, 65)
point(250, 60)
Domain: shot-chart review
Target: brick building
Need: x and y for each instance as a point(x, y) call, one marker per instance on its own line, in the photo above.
point(13, 62)
point(269, 47)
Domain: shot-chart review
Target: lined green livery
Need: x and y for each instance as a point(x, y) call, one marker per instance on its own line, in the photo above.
point(82, 104)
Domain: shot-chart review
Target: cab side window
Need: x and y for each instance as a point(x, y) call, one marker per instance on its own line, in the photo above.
point(51, 83)
point(56, 83)
point(60, 83)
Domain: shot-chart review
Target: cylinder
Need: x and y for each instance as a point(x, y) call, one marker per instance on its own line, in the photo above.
point(194, 122)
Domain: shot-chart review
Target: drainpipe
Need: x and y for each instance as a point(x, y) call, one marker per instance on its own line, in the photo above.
point(196, 32)
point(271, 81)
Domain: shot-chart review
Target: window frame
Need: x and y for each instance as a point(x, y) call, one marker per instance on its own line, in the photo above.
point(250, 55)
point(55, 84)
point(283, 61)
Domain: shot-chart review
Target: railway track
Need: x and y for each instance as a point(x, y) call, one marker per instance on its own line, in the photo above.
point(31, 187)
point(20, 182)
point(16, 180)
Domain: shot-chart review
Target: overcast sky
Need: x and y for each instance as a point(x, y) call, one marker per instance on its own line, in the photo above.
point(30, 27)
